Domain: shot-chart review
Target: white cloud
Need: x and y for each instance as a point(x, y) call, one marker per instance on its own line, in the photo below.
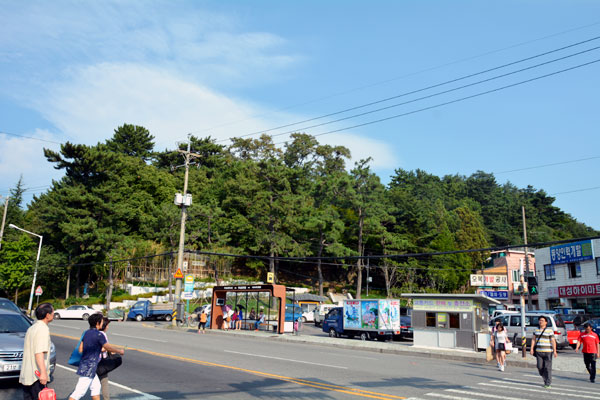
point(362, 147)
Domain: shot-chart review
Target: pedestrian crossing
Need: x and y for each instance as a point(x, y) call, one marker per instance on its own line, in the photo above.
point(529, 387)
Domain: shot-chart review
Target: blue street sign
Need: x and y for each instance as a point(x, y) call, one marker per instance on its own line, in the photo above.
point(495, 294)
point(571, 252)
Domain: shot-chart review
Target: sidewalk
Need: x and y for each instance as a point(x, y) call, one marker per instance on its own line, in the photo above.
point(567, 364)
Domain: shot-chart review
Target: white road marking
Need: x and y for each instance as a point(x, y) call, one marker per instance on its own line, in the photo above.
point(446, 396)
point(145, 396)
point(493, 396)
point(561, 387)
point(65, 326)
point(529, 388)
point(137, 337)
point(347, 355)
point(284, 359)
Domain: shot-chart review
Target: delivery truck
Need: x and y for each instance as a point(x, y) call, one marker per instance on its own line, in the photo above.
point(144, 309)
point(367, 319)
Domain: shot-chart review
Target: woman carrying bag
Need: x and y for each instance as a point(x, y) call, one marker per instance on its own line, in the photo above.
point(108, 363)
point(499, 341)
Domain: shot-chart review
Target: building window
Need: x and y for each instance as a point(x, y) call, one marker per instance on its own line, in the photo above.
point(598, 265)
point(430, 319)
point(549, 273)
point(454, 321)
point(515, 275)
point(574, 270)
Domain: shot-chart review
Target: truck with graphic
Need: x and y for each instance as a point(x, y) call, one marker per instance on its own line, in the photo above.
point(367, 319)
point(144, 309)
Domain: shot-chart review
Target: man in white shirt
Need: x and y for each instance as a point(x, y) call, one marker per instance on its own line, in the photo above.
point(36, 353)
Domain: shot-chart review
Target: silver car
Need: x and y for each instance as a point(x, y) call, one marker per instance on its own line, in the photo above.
point(13, 327)
point(512, 324)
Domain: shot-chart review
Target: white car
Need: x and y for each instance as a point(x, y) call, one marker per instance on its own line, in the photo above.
point(76, 312)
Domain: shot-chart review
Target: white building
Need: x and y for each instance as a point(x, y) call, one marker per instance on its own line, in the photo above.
point(569, 275)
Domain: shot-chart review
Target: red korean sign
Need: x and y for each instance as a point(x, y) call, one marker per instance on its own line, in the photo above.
point(592, 289)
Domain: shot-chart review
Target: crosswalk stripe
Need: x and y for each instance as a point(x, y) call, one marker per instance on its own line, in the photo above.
point(492, 396)
point(561, 387)
point(446, 396)
point(506, 385)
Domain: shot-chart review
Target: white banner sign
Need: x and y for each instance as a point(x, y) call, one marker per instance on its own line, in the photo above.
point(489, 280)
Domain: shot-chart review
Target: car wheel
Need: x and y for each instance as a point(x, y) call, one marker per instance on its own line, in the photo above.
point(332, 333)
point(364, 336)
point(139, 318)
point(303, 319)
point(56, 316)
point(168, 317)
point(85, 317)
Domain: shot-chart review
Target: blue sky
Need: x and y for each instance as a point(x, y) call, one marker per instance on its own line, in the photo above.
point(77, 70)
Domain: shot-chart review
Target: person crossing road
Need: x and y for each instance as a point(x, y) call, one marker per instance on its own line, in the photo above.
point(543, 346)
point(590, 349)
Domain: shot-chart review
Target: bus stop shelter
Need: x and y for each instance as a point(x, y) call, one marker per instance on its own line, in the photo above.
point(219, 299)
point(450, 320)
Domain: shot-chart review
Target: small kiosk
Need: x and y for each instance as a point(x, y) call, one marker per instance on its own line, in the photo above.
point(450, 320)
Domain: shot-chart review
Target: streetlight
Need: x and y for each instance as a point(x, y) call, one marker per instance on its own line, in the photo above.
point(37, 261)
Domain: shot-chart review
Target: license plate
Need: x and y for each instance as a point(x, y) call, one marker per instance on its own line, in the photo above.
point(11, 367)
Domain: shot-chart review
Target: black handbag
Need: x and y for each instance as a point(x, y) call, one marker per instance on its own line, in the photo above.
point(108, 364)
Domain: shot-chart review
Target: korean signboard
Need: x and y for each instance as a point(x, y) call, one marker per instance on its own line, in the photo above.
point(592, 289)
point(571, 252)
point(489, 280)
point(442, 305)
point(495, 294)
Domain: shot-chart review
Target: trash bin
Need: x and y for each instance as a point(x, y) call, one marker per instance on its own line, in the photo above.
point(180, 311)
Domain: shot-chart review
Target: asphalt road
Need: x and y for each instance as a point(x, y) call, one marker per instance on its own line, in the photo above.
point(162, 364)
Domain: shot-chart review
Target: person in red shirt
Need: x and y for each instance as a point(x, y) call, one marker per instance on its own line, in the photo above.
point(590, 349)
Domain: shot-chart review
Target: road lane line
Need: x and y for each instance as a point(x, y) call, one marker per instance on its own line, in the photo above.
point(528, 388)
point(146, 396)
point(302, 382)
point(493, 396)
point(138, 337)
point(66, 326)
point(446, 396)
point(284, 359)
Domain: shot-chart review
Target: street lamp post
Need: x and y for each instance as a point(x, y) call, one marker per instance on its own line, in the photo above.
point(37, 261)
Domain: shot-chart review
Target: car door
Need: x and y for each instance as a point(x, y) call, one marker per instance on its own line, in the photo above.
point(332, 319)
point(70, 312)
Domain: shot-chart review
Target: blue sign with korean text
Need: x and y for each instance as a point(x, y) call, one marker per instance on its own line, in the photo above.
point(495, 294)
point(571, 252)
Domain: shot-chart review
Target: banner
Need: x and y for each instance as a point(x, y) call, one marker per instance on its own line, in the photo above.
point(495, 294)
point(571, 252)
point(592, 289)
point(489, 280)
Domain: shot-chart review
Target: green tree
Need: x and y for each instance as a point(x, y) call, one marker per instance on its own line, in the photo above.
point(16, 264)
point(132, 140)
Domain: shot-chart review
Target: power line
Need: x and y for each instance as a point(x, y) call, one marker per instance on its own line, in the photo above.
point(454, 101)
point(576, 190)
point(427, 88)
point(28, 137)
point(437, 93)
point(547, 165)
point(405, 76)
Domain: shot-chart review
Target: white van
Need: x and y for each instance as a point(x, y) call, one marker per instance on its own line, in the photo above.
point(512, 324)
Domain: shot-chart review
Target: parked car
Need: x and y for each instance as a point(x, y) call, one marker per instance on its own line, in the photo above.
point(576, 318)
point(406, 330)
point(307, 312)
point(573, 332)
point(293, 313)
point(6, 304)
point(75, 312)
point(320, 312)
point(512, 324)
point(13, 326)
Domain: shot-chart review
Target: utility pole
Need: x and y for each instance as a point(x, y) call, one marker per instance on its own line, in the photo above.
point(68, 278)
point(187, 155)
point(3, 220)
point(368, 259)
point(526, 256)
point(523, 339)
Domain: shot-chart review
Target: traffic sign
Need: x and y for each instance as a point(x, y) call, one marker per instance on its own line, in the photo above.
point(189, 283)
point(187, 295)
point(270, 277)
point(38, 291)
point(178, 274)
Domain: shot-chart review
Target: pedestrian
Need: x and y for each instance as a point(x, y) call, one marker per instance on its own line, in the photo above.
point(543, 346)
point(234, 319)
point(252, 314)
point(499, 340)
point(36, 353)
point(260, 320)
point(202, 323)
point(93, 343)
point(240, 317)
point(590, 349)
point(107, 363)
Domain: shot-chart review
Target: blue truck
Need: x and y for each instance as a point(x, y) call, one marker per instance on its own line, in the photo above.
point(144, 309)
